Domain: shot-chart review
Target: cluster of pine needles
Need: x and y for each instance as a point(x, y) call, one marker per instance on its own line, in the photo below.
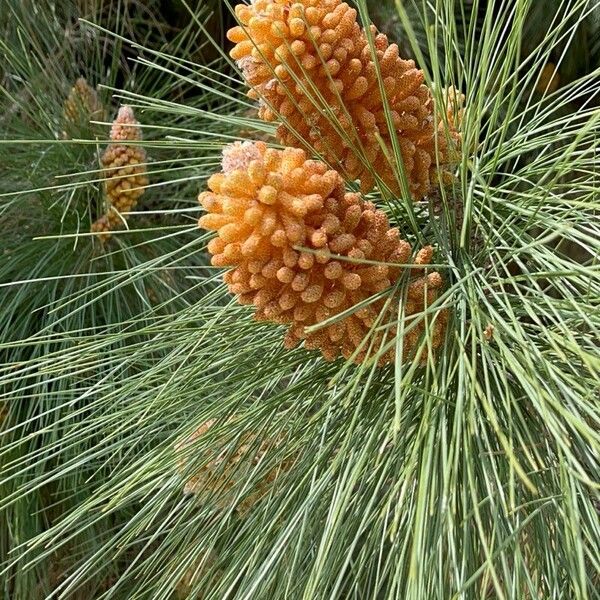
point(372, 372)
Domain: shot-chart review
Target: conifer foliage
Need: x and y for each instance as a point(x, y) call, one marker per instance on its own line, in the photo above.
point(371, 372)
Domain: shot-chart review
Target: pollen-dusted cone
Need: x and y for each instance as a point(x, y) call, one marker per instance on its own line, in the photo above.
point(311, 66)
point(124, 171)
point(302, 251)
point(82, 105)
point(224, 467)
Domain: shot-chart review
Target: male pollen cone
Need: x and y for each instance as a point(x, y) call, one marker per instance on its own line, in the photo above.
point(82, 103)
point(302, 250)
point(311, 66)
point(224, 468)
point(124, 171)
